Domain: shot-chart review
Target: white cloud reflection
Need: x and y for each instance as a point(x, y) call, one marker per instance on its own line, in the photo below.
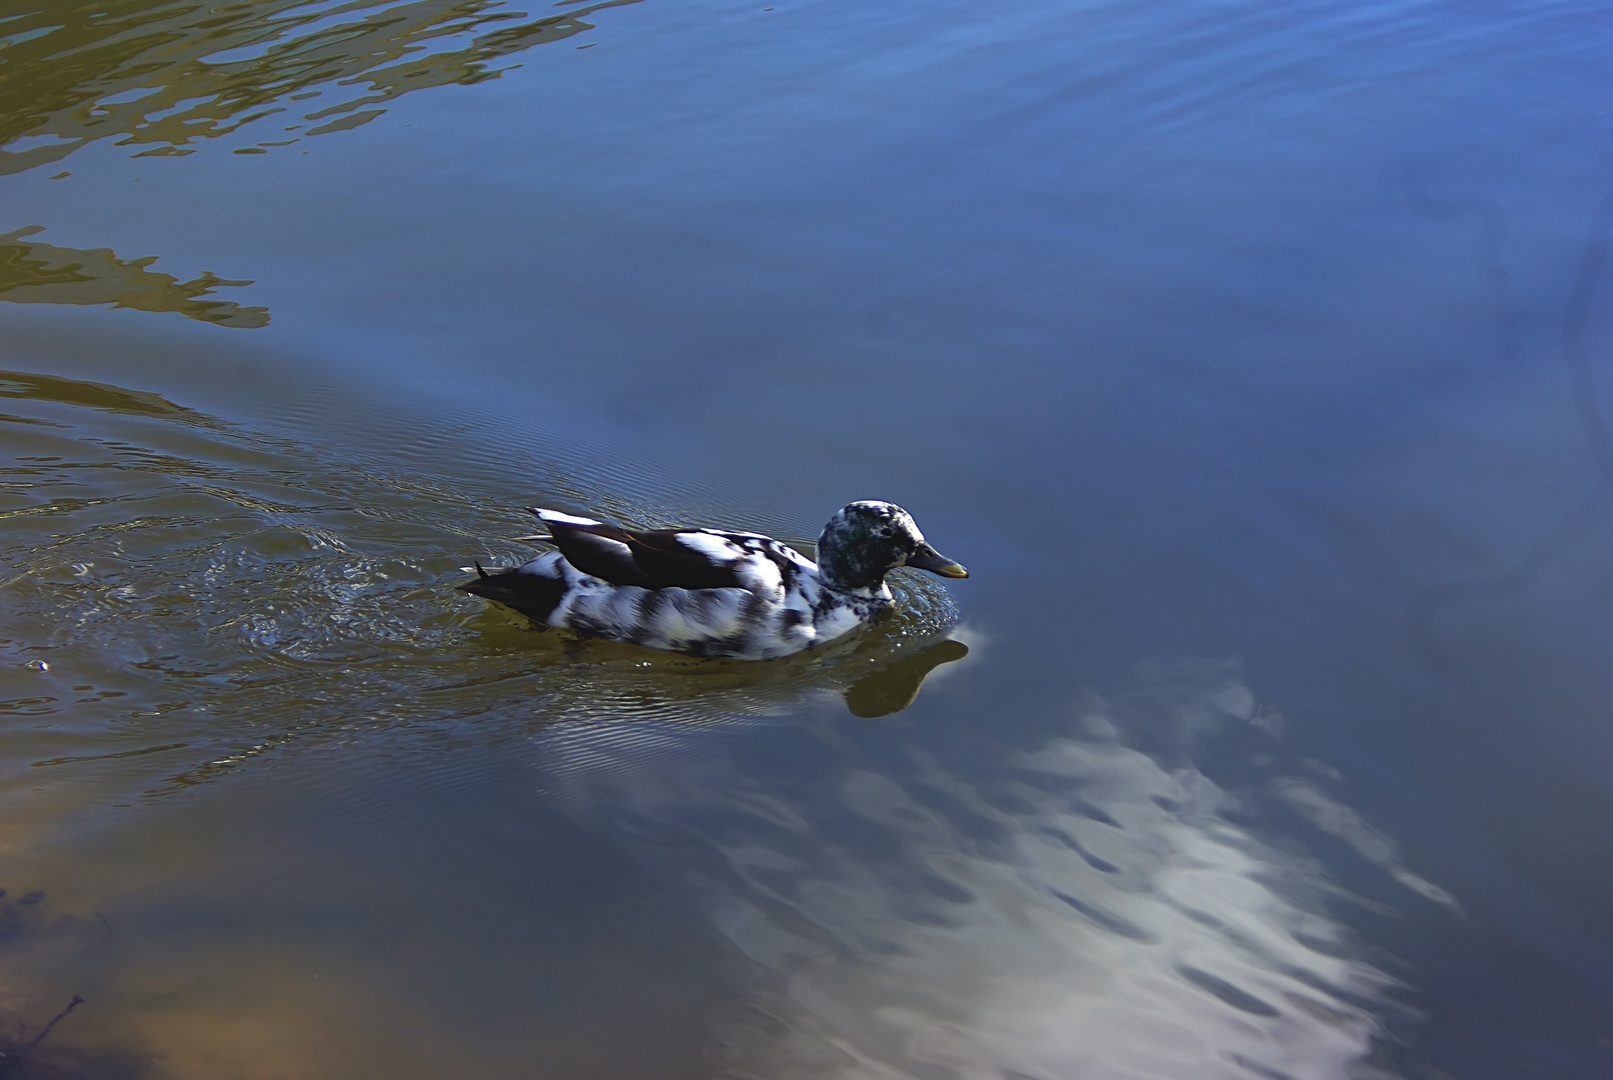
point(1090, 911)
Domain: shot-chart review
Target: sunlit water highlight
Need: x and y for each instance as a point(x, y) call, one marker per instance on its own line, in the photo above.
point(1094, 912)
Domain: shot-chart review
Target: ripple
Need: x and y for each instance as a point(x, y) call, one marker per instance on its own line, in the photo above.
point(161, 75)
point(178, 566)
point(934, 947)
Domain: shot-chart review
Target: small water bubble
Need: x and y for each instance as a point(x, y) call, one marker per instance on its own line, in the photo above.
point(37, 665)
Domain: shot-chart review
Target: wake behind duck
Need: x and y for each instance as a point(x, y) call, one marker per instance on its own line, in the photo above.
point(707, 592)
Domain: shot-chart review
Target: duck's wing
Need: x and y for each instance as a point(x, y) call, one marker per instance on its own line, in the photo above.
point(652, 558)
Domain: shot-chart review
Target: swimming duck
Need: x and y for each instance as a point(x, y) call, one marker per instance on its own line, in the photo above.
point(707, 592)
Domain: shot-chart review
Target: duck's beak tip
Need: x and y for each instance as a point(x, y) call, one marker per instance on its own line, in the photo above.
point(927, 558)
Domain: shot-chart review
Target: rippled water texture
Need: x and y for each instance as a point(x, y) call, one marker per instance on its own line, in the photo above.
point(1251, 357)
point(196, 562)
point(1091, 911)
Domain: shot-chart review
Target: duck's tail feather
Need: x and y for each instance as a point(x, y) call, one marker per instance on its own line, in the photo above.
point(533, 595)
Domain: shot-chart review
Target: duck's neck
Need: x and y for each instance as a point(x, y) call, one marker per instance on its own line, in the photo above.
point(878, 590)
point(847, 580)
point(865, 604)
point(850, 569)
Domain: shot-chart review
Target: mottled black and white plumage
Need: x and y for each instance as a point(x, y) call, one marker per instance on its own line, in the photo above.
point(713, 593)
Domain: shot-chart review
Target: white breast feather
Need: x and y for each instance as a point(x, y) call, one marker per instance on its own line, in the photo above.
point(803, 595)
point(702, 614)
point(836, 621)
point(618, 607)
point(712, 546)
point(758, 574)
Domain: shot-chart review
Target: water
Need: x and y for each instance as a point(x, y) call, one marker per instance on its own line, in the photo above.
point(1247, 355)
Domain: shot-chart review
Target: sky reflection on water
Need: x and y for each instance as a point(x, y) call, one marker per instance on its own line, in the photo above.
point(1093, 912)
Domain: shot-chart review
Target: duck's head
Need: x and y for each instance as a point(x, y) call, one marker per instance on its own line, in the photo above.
point(866, 540)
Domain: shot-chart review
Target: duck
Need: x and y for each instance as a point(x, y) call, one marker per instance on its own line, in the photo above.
point(710, 592)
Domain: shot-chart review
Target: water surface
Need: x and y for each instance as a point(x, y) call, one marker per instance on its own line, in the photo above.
point(1248, 356)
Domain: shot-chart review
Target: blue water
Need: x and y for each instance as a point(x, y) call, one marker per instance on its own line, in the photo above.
point(1248, 355)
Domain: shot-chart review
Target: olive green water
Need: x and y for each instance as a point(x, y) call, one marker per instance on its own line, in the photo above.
point(1249, 357)
point(192, 600)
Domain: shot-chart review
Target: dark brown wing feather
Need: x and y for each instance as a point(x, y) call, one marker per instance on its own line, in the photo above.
point(670, 563)
point(652, 559)
point(603, 551)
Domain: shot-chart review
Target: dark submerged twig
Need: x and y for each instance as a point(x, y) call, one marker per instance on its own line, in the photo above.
point(37, 1039)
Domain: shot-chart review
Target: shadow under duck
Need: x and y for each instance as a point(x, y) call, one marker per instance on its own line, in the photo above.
point(707, 592)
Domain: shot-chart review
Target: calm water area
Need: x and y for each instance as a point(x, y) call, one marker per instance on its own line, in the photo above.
point(1248, 354)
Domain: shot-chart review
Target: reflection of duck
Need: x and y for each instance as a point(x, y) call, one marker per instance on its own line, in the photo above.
point(892, 688)
point(712, 593)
